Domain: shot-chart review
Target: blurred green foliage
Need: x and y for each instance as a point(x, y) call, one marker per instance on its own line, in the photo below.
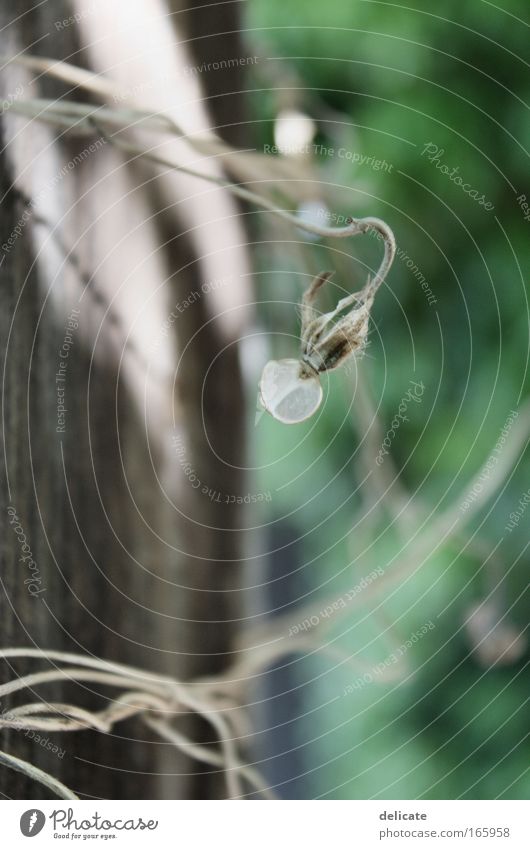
point(385, 81)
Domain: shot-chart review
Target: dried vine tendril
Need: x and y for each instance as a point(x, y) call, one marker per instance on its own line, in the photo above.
point(290, 390)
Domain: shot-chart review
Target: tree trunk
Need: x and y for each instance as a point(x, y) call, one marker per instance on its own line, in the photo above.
point(134, 560)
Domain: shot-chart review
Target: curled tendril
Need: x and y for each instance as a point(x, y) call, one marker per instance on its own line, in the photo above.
point(328, 340)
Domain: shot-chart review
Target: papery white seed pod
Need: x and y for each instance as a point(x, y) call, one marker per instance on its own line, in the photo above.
point(289, 391)
point(494, 639)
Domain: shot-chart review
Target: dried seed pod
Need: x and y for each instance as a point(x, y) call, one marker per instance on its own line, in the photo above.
point(494, 638)
point(289, 391)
